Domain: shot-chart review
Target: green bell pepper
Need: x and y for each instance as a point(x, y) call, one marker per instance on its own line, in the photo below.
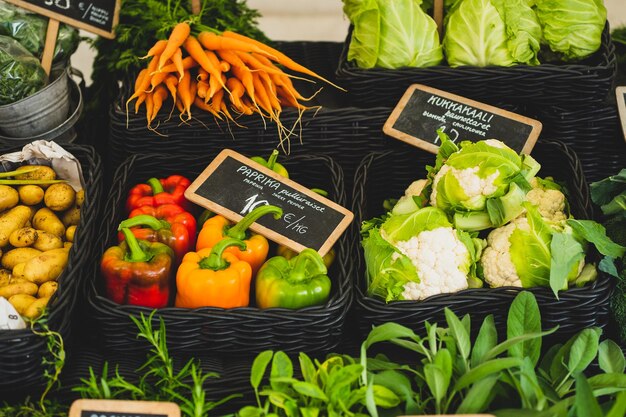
point(296, 283)
point(272, 164)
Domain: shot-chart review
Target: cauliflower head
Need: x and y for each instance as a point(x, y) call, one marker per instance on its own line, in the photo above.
point(549, 200)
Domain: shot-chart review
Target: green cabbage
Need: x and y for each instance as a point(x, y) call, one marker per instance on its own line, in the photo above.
point(492, 32)
point(392, 34)
point(572, 28)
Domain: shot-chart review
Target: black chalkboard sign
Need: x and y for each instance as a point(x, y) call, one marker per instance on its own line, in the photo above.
point(96, 16)
point(620, 92)
point(123, 408)
point(423, 110)
point(233, 185)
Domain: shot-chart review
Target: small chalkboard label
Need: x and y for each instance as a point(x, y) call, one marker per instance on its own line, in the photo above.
point(233, 185)
point(120, 408)
point(620, 92)
point(96, 16)
point(423, 110)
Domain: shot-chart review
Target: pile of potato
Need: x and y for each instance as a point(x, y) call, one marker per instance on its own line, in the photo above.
point(37, 227)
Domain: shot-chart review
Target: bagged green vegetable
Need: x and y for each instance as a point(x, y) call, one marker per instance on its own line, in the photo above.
point(492, 32)
point(392, 34)
point(572, 28)
point(30, 30)
point(21, 74)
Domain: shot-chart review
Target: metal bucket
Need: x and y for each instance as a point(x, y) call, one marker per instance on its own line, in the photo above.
point(39, 112)
point(62, 132)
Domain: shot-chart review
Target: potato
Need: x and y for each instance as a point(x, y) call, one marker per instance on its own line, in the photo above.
point(47, 289)
point(21, 302)
point(5, 277)
point(70, 232)
point(47, 266)
point(29, 288)
point(23, 237)
point(12, 220)
point(59, 197)
point(45, 219)
point(47, 241)
point(8, 197)
point(31, 194)
point(71, 217)
point(36, 308)
point(18, 273)
point(41, 173)
point(18, 255)
point(80, 198)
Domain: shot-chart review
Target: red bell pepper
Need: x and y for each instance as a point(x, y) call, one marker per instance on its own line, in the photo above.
point(174, 235)
point(157, 192)
point(173, 214)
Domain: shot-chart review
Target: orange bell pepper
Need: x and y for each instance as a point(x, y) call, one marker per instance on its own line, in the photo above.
point(257, 247)
point(212, 277)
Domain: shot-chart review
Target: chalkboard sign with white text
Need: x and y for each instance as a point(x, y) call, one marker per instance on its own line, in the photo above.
point(96, 16)
point(620, 92)
point(123, 408)
point(233, 185)
point(423, 110)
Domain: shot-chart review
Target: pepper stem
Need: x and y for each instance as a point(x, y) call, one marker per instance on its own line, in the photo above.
point(156, 186)
point(271, 161)
point(135, 253)
point(215, 261)
point(144, 220)
point(238, 231)
point(301, 262)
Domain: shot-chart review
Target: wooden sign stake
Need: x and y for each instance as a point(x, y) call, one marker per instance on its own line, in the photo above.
point(620, 92)
point(195, 6)
point(48, 49)
point(438, 16)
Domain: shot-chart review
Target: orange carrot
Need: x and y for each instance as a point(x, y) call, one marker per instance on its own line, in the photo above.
point(193, 47)
point(188, 63)
point(157, 49)
point(206, 107)
point(171, 82)
point(144, 84)
point(203, 75)
point(156, 79)
point(216, 100)
point(261, 96)
point(178, 36)
point(278, 56)
point(203, 87)
point(214, 42)
point(184, 92)
point(140, 100)
point(240, 70)
point(177, 59)
point(149, 107)
point(140, 76)
point(159, 96)
point(224, 66)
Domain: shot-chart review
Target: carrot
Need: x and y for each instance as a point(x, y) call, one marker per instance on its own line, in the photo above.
point(203, 75)
point(178, 36)
point(188, 63)
point(193, 87)
point(143, 85)
point(140, 100)
point(156, 79)
point(140, 76)
point(240, 70)
point(206, 107)
point(149, 107)
point(171, 82)
point(216, 100)
point(193, 47)
point(179, 105)
point(278, 57)
point(184, 92)
point(177, 59)
point(159, 96)
point(203, 87)
point(224, 66)
point(262, 96)
point(214, 42)
point(157, 49)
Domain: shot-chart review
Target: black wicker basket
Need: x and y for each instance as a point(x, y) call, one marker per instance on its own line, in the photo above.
point(232, 331)
point(544, 85)
point(384, 175)
point(593, 131)
point(22, 351)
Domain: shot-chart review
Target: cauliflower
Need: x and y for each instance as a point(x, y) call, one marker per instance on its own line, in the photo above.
point(441, 260)
point(498, 268)
point(475, 188)
point(549, 201)
point(406, 203)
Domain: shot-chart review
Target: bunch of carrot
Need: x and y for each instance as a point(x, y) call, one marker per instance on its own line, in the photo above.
point(225, 74)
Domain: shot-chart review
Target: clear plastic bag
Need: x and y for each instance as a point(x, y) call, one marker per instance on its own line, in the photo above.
point(30, 30)
point(21, 74)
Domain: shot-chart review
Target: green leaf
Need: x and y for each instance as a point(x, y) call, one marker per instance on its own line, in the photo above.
point(343, 377)
point(586, 403)
point(566, 253)
point(596, 233)
point(401, 385)
point(485, 369)
point(306, 367)
point(309, 411)
point(530, 389)
point(584, 350)
point(309, 390)
point(619, 406)
point(258, 368)
point(603, 191)
point(485, 341)
point(479, 396)
point(384, 397)
point(281, 367)
point(608, 383)
point(611, 358)
point(607, 265)
point(548, 358)
point(524, 318)
point(436, 381)
point(459, 333)
point(506, 345)
point(250, 411)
